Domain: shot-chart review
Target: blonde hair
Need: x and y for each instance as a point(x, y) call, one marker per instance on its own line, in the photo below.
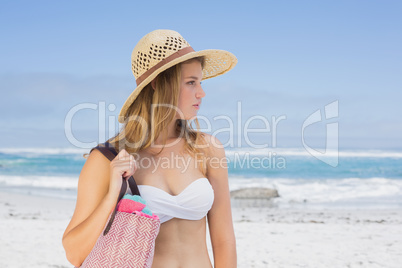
point(144, 123)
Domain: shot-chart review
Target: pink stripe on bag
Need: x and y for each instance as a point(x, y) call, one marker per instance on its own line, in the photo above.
point(127, 244)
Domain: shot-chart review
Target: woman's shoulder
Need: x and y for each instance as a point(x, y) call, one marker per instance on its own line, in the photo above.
point(213, 145)
point(98, 159)
point(210, 139)
point(216, 161)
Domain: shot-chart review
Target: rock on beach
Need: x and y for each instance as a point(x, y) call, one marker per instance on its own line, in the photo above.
point(254, 193)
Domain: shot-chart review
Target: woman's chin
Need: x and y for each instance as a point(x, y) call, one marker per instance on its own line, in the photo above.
point(188, 117)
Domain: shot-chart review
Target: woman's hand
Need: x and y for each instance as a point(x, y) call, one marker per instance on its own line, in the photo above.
point(123, 165)
point(99, 185)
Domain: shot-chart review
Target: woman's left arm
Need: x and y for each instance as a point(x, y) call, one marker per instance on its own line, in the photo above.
point(220, 216)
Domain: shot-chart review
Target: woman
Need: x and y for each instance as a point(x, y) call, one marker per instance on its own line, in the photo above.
point(181, 172)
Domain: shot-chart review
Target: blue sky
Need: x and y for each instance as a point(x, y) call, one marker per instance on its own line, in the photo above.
point(294, 57)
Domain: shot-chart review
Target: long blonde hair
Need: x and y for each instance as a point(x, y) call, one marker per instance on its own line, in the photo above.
point(144, 123)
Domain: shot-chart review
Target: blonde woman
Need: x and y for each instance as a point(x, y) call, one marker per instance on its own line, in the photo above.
point(181, 172)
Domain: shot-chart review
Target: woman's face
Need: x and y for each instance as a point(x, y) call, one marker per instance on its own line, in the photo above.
point(191, 91)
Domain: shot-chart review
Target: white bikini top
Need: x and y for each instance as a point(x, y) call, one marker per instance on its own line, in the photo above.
point(193, 203)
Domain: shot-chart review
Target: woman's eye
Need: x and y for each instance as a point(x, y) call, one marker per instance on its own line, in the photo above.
point(191, 83)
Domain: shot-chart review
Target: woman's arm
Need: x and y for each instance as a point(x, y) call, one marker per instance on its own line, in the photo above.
point(98, 189)
point(220, 216)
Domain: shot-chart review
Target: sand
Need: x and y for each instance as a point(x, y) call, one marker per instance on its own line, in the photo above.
point(32, 227)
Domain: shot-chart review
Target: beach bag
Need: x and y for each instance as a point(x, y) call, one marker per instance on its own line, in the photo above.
point(128, 240)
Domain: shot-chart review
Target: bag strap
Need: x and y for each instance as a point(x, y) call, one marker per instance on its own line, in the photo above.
point(110, 152)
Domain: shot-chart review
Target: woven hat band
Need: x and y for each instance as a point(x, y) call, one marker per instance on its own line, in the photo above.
point(164, 61)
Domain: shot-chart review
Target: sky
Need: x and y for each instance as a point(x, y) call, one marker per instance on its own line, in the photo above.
point(294, 58)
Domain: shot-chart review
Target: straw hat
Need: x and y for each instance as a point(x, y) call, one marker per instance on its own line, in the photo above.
point(161, 49)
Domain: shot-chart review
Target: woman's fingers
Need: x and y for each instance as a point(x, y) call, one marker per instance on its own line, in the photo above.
point(131, 168)
point(123, 154)
point(124, 164)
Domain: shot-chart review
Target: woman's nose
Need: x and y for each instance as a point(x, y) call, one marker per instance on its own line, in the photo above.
point(200, 92)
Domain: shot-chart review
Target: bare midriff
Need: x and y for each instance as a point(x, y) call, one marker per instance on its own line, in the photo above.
point(182, 243)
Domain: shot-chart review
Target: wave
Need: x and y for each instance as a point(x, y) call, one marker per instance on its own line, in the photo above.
point(326, 190)
point(303, 152)
point(290, 190)
point(51, 182)
point(229, 151)
point(44, 151)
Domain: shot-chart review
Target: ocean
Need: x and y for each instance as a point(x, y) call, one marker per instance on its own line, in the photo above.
point(361, 179)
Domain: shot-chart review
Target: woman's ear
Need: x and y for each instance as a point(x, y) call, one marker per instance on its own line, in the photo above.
point(153, 84)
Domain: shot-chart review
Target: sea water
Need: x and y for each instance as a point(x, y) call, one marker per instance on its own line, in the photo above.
point(365, 178)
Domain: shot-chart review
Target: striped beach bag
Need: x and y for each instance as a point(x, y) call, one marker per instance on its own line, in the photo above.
point(128, 240)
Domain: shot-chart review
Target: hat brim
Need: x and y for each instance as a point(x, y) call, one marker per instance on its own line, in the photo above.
point(217, 62)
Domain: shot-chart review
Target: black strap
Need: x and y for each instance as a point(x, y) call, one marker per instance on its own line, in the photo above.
point(110, 152)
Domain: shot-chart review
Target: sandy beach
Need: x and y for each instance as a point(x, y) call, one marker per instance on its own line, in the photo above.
point(31, 230)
